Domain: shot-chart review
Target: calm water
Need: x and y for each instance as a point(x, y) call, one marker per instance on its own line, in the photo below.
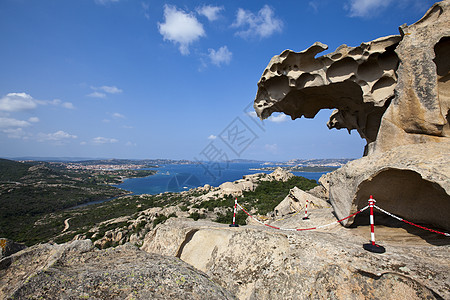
point(177, 178)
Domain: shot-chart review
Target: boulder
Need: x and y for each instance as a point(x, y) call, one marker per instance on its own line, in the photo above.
point(77, 271)
point(237, 187)
point(295, 201)
point(257, 262)
point(395, 92)
point(410, 181)
point(249, 183)
point(281, 175)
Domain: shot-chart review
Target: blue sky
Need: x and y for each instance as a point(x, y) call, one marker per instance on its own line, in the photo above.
point(158, 79)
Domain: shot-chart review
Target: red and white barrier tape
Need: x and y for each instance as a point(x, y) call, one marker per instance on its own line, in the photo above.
point(301, 229)
point(410, 223)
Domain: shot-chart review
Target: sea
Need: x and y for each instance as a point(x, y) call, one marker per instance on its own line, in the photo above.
point(182, 177)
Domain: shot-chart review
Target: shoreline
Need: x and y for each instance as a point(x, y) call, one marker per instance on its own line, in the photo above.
point(299, 169)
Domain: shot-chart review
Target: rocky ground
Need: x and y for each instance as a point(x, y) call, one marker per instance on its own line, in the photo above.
point(180, 258)
point(77, 270)
point(257, 262)
point(186, 259)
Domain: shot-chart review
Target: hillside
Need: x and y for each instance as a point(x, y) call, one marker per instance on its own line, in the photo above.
point(30, 190)
point(35, 204)
point(11, 170)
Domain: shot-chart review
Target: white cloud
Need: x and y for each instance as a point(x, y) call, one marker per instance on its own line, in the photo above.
point(56, 102)
point(97, 95)
point(278, 118)
point(101, 91)
point(130, 144)
point(252, 114)
point(68, 105)
point(17, 102)
point(106, 2)
point(146, 8)
point(221, 56)
point(263, 24)
point(314, 6)
point(33, 119)
point(110, 89)
point(14, 102)
point(15, 133)
point(118, 116)
point(365, 8)
point(180, 28)
point(10, 122)
point(58, 136)
point(102, 140)
point(212, 137)
point(209, 11)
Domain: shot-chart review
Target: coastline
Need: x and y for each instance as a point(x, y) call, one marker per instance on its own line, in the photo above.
point(312, 169)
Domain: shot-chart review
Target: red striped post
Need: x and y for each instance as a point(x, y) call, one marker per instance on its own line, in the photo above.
point(234, 215)
point(373, 247)
point(372, 227)
point(306, 211)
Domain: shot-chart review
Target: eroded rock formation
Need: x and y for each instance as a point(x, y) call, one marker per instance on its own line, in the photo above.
point(295, 201)
point(257, 262)
point(395, 91)
point(358, 81)
point(77, 270)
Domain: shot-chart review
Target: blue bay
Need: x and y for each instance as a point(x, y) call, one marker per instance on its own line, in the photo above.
point(177, 178)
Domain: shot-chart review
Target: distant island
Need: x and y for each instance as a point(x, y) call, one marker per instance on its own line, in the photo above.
point(307, 165)
point(317, 169)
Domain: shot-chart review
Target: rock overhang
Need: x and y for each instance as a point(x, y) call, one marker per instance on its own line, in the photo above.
point(394, 91)
point(358, 82)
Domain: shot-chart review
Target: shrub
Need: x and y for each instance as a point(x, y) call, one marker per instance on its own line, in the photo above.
point(159, 219)
point(196, 216)
point(227, 218)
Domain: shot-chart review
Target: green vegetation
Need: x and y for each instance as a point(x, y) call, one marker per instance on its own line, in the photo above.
point(264, 199)
point(269, 194)
point(211, 204)
point(34, 198)
point(116, 176)
point(12, 171)
point(312, 169)
point(227, 218)
point(196, 216)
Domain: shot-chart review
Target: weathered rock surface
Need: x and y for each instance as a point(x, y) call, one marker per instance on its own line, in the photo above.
point(295, 201)
point(411, 181)
point(420, 111)
point(248, 183)
point(410, 70)
point(76, 271)
point(358, 81)
point(281, 175)
point(395, 91)
point(257, 262)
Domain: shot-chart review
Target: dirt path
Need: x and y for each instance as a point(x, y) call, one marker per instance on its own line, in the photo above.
point(66, 224)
